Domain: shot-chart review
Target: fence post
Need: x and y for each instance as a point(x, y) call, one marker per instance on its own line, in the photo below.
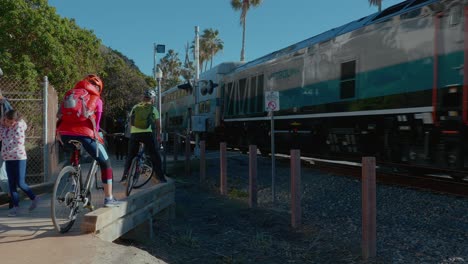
point(45, 132)
point(187, 155)
point(252, 176)
point(223, 167)
point(202, 161)
point(295, 188)
point(368, 208)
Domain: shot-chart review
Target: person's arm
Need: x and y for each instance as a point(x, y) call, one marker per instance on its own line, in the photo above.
point(99, 107)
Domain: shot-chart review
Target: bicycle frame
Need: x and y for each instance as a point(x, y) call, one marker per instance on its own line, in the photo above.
point(75, 162)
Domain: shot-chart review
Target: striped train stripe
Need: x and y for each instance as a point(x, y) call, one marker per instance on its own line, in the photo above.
point(425, 109)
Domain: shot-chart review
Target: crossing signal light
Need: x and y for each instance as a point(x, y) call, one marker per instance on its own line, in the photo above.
point(206, 86)
point(186, 86)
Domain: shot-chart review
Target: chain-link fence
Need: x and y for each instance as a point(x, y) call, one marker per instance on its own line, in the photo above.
point(37, 103)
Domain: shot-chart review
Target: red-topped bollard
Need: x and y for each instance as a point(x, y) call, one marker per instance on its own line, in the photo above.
point(296, 212)
point(223, 168)
point(368, 208)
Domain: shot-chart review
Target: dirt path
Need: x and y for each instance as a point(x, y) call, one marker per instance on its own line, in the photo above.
point(210, 228)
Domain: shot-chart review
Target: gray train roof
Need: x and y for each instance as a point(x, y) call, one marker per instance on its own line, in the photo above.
point(391, 11)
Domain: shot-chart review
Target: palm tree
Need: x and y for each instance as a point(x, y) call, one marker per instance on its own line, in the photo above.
point(244, 6)
point(376, 3)
point(171, 67)
point(211, 44)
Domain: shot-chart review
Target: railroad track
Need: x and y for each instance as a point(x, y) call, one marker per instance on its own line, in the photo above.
point(435, 182)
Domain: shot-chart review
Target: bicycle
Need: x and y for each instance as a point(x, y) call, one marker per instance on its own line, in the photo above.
point(141, 170)
point(70, 192)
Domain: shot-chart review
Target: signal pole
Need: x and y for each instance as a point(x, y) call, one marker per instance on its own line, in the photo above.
point(196, 150)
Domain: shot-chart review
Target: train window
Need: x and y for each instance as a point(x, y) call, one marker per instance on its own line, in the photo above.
point(229, 100)
point(259, 99)
point(455, 15)
point(417, 2)
point(242, 96)
point(348, 70)
point(252, 91)
point(348, 78)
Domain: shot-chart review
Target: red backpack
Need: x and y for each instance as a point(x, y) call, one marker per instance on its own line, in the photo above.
point(78, 105)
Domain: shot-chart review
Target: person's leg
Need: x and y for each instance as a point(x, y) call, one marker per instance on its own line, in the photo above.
point(24, 186)
point(151, 148)
point(22, 179)
point(132, 152)
point(12, 173)
point(92, 147)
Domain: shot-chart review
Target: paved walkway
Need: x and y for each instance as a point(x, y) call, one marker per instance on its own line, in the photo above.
point(31, 238)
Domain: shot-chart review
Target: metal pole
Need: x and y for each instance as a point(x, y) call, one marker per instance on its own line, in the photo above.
point(159, 104)
point(273, 165)
point(45, 130)
point(154, 61)
point(196, 150)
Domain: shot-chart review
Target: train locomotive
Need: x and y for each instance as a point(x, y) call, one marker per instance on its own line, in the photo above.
point(391, 85)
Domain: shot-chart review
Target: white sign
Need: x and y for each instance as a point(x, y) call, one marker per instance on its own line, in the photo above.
point(272, 101)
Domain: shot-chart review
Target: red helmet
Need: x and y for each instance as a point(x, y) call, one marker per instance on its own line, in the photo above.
point(95, 80)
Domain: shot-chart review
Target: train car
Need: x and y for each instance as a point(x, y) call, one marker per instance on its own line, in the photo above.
point(176, 110)
point(392, 85)
point(191, 107)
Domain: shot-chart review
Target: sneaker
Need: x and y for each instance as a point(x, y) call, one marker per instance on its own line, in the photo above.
point(34, 203)
point(13, 212)
point(111, 202)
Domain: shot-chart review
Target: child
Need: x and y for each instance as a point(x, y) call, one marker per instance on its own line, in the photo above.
point(12, 134)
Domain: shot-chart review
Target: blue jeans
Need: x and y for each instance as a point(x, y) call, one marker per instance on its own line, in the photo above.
point(16, 172)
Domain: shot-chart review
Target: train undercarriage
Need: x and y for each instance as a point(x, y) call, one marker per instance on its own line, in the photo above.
point(405, 139)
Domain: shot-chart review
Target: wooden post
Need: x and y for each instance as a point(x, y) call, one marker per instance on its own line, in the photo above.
point(252, 176)
point(223, 168)
point(187, 155)
point(202, 161)
point(296, 188)
point(368, 208)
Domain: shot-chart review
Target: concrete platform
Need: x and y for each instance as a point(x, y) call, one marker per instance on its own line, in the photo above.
point(31, 238)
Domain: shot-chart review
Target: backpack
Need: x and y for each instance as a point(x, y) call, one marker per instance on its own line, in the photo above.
point(142, 116)
point(78, 105)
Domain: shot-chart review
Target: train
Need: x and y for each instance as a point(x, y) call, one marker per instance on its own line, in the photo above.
point(390, 85)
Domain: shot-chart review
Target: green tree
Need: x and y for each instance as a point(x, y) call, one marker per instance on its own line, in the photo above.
point(171, 67)
point(376, 3)
point(124, 84)
point(244, 6)
point(36, 42)
point(211, 44)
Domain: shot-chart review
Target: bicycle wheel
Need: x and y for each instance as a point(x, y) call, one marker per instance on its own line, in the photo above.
point(65, 199)
point(132, 175)
point(146, 171)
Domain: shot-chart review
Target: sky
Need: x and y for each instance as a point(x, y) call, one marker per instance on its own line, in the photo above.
point(133, 27)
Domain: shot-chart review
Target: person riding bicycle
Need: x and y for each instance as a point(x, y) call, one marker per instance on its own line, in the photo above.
point(86, 132)
point(144, 119)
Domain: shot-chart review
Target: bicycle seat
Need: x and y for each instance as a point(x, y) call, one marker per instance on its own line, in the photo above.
point(75, 143)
